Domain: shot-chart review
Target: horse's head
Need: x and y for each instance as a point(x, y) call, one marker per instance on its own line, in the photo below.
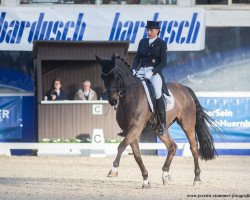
point(111, 79)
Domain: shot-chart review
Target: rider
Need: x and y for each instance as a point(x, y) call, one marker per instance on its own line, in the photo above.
point(149, 61)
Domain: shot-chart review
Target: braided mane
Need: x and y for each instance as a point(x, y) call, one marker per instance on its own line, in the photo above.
point(123, 60)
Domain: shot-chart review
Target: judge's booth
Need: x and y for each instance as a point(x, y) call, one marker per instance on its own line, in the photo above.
point(73, 62)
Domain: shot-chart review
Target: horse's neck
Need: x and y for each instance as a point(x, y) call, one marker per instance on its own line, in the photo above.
point(128, 78)
point(133, 93)
point(130, 81)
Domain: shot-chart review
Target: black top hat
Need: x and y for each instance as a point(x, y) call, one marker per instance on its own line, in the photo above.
point(153, 25)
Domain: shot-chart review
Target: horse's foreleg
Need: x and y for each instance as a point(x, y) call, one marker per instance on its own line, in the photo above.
point(121, 148)
point(172, 147)
point(137, 155)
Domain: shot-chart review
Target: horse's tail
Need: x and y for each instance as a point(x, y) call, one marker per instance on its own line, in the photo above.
point(206, 145)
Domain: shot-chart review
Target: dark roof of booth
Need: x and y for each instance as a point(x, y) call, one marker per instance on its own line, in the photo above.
point(68, 50)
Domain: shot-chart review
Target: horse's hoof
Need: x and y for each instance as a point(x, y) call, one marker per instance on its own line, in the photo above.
point(166, 179)
point(146, 184)
point(197, 183)
point(112, 174)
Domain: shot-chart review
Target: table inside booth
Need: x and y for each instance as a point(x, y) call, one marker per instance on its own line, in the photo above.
point(69, 119)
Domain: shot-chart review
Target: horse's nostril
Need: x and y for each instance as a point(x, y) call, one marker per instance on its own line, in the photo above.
point(113, 102)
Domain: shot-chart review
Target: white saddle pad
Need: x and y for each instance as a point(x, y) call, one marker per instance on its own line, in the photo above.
point(169, 99)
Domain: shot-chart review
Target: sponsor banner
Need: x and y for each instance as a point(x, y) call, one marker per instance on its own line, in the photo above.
point(20, 26)
point(231, 115)
point(10, 118)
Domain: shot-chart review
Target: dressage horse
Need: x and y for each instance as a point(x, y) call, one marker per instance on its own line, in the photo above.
point(133, 113)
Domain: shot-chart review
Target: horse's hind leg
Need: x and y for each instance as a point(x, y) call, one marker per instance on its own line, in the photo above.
point(189, 129)
point(137, 155)
point(172, 147)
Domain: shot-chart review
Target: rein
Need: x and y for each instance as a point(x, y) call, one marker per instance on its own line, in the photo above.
point(120, 91)
point(109, 71)
point(124, 90)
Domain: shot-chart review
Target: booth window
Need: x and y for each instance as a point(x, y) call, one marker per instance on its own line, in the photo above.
point(212, 2)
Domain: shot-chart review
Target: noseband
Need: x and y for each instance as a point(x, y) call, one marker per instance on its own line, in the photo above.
point(119, 89)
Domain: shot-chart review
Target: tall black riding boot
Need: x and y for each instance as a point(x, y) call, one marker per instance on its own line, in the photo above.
point(162, 115)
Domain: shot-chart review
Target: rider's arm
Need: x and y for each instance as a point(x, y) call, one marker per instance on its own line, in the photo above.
point(137, 58)
point(163, 57)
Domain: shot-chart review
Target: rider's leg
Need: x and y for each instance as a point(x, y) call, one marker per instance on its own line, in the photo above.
point(157, 83)
point(162, 114)
point(164, 86)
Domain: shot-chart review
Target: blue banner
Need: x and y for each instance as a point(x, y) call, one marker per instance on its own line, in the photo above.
point(231, 115)
point(10, 118)
point(12, 79)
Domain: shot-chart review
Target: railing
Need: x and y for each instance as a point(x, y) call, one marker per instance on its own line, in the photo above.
point(170, 2)
point(79, 149)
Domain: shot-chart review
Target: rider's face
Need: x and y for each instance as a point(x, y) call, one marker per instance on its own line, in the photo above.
point(152, 33)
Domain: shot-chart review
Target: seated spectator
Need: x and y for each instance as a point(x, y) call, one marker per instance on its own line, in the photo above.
point(86, 93)
point(56, 92)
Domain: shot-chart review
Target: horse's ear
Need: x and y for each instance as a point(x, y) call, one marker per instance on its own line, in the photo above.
point(113, 60)
point(99, 60)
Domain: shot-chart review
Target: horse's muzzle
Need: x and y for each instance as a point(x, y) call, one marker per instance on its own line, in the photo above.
point(113, 102)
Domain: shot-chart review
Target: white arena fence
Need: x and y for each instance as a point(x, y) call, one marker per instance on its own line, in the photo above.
point(99, 150)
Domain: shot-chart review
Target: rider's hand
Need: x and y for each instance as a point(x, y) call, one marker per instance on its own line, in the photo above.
point(148, 74)
point(134, 72)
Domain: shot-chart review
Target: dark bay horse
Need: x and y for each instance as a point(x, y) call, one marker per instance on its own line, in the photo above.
point(133, 113)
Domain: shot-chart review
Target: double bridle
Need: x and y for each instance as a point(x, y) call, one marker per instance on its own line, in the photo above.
point(121, 90)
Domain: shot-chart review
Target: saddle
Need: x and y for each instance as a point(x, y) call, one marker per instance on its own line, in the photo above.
point(150, 93)
point(168, 102)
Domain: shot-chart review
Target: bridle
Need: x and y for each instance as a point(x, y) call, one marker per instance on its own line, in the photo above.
point(120, 90)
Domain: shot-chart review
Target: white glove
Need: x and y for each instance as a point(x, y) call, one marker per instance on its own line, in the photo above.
point(148, 74)
point(134, 72)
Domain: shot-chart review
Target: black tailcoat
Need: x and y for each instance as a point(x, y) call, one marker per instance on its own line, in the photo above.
point(154, 55)
point(62, 95)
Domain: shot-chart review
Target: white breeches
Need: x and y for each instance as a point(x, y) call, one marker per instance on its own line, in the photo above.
point(155, 80)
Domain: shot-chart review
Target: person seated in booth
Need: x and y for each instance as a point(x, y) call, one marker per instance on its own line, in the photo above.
point(56, 92)
point(86, 93)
